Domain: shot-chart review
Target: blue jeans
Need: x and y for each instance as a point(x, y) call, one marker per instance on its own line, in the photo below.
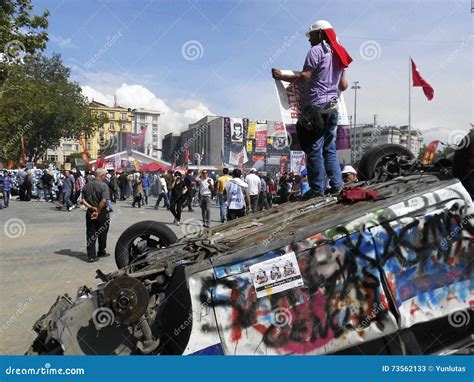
point(6, 198)
point(222, 199)
point(321, 157)
point(146, 194)
point(66, 198)
point(48, 194)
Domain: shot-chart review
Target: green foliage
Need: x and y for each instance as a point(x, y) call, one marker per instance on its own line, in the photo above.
point(21, 33)
point(40, 103)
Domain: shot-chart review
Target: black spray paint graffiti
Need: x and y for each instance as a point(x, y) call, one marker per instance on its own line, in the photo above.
point(331, 304)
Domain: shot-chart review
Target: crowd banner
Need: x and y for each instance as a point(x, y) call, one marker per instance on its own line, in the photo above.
point(297, 161)
point(290, 97)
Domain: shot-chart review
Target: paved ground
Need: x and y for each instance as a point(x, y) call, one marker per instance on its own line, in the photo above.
point(43, 254)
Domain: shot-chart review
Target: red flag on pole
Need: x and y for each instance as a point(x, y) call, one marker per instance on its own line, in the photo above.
point(84, 152)
point(23, 154)
point(418, 80)
point(430, 152)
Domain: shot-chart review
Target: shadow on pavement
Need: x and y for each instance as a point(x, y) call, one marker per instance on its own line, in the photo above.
point(78, 255)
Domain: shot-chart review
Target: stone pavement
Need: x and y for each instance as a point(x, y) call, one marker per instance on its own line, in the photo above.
point(43, 255)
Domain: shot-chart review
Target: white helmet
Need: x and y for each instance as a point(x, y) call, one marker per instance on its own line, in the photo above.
point(317, 25)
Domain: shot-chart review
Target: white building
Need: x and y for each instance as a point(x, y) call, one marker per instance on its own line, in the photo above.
point(149, 120)
point(366, 136)
point(60, 154)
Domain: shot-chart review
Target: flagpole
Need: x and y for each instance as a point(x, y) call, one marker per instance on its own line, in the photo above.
point(409, 104)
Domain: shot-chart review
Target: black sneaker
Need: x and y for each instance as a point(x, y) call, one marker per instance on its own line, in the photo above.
point(105, 254)
point(310, 195)
point(92, 259)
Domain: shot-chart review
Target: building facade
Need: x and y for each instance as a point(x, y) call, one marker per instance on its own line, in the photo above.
point(364, 137)
point(61, 154)
point(109, 136)
point(146, 124)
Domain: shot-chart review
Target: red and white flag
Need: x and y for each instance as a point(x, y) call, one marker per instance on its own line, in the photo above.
point(418, 80)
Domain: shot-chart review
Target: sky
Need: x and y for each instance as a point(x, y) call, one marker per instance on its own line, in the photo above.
point(189, 58)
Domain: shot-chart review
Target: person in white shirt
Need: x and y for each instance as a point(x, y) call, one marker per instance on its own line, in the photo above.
point(253, 181)
point(238, 200)
point(206, 187)
point(163, 193)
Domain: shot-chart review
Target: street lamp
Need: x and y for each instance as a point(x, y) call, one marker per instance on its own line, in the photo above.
point(355, 86)
point(134, 128)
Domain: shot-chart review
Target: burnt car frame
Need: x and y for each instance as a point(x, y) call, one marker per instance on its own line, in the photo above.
point(391, 276)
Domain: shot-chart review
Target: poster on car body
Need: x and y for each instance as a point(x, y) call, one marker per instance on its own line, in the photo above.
point(276, 275)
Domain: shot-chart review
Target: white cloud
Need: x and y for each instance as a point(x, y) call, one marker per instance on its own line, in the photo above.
point(62, 42)
point(173, 120)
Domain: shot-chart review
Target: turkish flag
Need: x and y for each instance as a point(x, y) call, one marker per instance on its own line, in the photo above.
point(418, 80)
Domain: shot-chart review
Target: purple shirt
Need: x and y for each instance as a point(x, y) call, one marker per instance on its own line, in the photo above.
point(327, 71)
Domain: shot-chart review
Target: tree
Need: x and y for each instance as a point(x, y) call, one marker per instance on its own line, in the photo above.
point(21, 33)
point(41, 105)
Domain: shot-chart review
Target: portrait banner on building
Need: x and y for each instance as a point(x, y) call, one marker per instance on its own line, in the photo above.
point(236, 130)
point(118, 161)
point(273, 161)
point(297, 161)
point(261, 138)
point(238, 158)
point(249, 145)
point(251, 130)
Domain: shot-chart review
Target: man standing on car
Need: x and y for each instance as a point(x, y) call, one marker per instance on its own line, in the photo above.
point(94, 196)
point(322, 76)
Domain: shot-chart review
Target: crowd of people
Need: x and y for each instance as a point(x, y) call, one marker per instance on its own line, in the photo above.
point(177, 190)
point(234, 194)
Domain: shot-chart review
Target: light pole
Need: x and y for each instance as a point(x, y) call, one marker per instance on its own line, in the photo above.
point(355, 86)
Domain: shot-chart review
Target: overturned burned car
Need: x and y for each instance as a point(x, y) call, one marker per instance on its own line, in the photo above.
point(390, 276)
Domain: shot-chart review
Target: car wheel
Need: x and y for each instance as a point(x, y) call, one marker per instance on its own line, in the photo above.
point(463, 162)
point(140, 238)
point(379, 159)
